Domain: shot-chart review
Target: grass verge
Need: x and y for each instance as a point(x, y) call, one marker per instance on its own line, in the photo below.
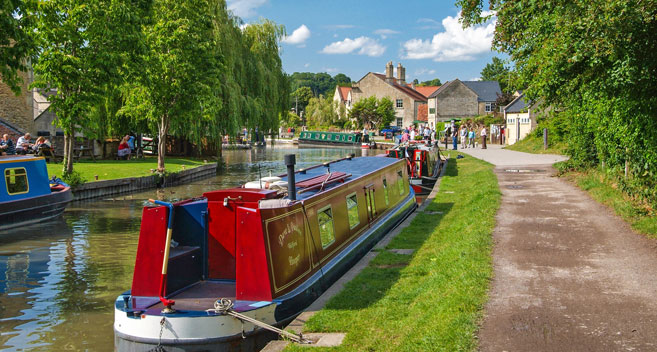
point(603, 189)
point(432, 300)
point(534, 145)
point(113, 169)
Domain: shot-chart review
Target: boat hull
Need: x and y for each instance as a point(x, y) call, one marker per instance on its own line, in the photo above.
point(35, 209)
point(209, 332)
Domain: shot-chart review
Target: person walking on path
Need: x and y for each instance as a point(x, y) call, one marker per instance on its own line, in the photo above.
point(464, 137)
point(455, 138)
point(483, 138)
point(471, 138)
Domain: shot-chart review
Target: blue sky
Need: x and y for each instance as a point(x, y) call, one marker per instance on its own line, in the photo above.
point(356, 37)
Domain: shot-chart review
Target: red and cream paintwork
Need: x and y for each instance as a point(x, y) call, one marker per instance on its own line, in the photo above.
point(269, 254)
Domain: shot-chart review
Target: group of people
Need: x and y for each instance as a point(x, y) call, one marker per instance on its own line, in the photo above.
point(468, 136)
point(425, 132)
point(23, 145)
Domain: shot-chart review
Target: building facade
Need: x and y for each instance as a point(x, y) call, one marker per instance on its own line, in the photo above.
point(458, 99)
point(520, 117)
point(17, 110)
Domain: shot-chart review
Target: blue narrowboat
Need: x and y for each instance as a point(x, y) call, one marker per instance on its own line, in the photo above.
point(26, 194)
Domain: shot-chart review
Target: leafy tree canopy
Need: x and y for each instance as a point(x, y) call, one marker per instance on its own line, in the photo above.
point(16, 40)
point(433, 82)
point(373, 113)
point(497, 71)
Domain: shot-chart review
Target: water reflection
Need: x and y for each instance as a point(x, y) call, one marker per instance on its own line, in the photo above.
point(59, 279)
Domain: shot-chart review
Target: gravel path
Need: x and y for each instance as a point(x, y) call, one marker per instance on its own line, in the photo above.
point(569, 275)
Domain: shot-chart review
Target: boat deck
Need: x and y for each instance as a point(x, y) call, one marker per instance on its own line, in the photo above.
point(202, 295)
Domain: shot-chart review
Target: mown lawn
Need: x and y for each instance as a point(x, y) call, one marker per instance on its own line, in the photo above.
point(431, 300)
point(113, 169)
point(603, 189)
point(534, 145)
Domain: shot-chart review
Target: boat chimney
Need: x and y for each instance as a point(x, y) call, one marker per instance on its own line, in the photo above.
point(290, 160)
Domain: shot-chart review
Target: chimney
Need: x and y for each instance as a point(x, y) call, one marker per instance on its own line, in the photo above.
point(389, 76)
point(401, 74)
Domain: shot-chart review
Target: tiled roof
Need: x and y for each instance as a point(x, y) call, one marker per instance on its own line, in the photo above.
point(426, 90)
point(486, 90)
point(344, 93)
point(519, 104)
point(405, 89)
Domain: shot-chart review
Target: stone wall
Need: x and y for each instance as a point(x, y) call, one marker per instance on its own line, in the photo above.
point(456, 101)
point(17, 110)
point(371, 85)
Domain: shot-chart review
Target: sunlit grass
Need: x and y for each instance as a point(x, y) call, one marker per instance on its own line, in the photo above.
point(534, 145)
point(431, 300)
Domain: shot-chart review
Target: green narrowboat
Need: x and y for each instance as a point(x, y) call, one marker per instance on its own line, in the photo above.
point(336, 139)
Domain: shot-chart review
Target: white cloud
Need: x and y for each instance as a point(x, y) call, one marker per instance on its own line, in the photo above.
point(340, 26)
point(361, 45)
point(424, 71)
point(454, 43)
point(299, 36)
point(384, 32)
point(330, 69)
point(306, 65)
point(429, 23)
point(245, 8)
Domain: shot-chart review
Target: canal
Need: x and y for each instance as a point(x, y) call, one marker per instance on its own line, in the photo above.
point(59, 280)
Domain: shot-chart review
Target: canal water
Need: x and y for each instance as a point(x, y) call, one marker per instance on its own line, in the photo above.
point(59, 280)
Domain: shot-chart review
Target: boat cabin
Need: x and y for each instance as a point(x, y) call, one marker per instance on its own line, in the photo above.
point(23, 177)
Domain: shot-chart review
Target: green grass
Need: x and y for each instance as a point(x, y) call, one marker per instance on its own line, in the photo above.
point(534, 145)
point(603, 189)
point(431, 300)
point(113, 169)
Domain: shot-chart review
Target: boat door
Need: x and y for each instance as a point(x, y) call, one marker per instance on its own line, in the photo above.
point(371, 205)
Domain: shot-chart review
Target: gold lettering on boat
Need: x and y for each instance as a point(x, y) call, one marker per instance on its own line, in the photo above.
point(295, 260)
point(290, 228)
point(291, 245)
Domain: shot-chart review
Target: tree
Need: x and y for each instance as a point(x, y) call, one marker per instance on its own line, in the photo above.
point(16, 40)
point(373, 113)
point(593, 62)
point(301, 97)
point(342, 80)
point(321, 113)
point(174, 91)
point(82, 47)
point(434, 82)
point(497, 71)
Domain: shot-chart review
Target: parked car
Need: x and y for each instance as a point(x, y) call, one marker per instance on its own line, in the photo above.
point(391, 129)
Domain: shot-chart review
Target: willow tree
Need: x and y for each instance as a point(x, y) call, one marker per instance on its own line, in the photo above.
point(174, 90)
point(82, 45)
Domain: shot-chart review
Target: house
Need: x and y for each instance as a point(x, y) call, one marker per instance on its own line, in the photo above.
point(342, 97)
point(16, 110)
point(405, 98)
point(520, 117)
point(457, 99)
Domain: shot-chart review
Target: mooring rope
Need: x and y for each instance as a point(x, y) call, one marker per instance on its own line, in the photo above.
point(225, 306)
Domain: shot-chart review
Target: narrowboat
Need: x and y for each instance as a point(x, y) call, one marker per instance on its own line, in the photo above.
point(336, 139)
point(26, 194)
point(423, 162)
point(270, 247)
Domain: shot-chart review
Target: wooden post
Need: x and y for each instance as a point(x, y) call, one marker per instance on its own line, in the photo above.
point(545, 138)
point(627, 161)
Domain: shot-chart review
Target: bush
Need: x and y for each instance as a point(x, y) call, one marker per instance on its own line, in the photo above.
point(73, 178)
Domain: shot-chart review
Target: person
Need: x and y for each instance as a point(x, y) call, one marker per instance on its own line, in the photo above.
point(7, 146)
point(483, 138)
point(405, 137)
point(427, 133)
point(471, 138)
point(131, 143)
point(41, 142)
point(433, 137)
point(455, 138)
point(124, 149)
point(464, 137)
point(23, 145)
point(412, 134)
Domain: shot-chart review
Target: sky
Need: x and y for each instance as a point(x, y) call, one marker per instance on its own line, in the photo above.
point(357, 37)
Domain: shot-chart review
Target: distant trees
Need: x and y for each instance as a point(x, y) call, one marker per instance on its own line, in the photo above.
point(322, 113)
point(16, 40)
point(372, 113)
point(434, 82)
point(497, 71)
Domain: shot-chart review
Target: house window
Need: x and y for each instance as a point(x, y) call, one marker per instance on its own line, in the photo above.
point(524, 120)
point(400, 122)
point(325, 219)
point(490, 107)
point(432, 110)
point(385, 191)
point(399, 104)
point(400, 182)
point(352, 210)
point(511, 121)
point(16, 181)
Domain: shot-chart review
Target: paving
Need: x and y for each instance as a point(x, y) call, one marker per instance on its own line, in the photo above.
point(569, 275)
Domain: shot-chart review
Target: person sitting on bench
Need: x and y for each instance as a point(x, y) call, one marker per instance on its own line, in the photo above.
point(23, 145)
point(7, 146)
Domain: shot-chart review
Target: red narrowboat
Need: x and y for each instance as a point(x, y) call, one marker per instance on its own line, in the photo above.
point(423, 162)
point(271, 250)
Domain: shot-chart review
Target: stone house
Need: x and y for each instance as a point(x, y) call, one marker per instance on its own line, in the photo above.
point(342, 97)
point(457, 99)
point(17, 110)
point(404, 97)
point(520, 116)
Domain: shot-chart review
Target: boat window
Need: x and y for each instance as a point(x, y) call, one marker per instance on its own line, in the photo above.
point(400, 182)
point(351, 138)
point(352, 210)
point(16, 180)
point(385, 191)
point(325, 219)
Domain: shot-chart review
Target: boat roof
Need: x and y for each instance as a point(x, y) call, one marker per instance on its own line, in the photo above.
point(356, 167)
point(18, 158)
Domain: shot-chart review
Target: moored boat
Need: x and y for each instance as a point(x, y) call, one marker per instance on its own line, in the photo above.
point(424, 164)
point(271, 250)
point(336, 139)
point(26, 194)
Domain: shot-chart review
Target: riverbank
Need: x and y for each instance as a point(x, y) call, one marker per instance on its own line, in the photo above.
point(427, 287)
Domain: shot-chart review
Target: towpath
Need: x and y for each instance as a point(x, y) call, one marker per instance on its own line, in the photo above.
point(569, 275)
